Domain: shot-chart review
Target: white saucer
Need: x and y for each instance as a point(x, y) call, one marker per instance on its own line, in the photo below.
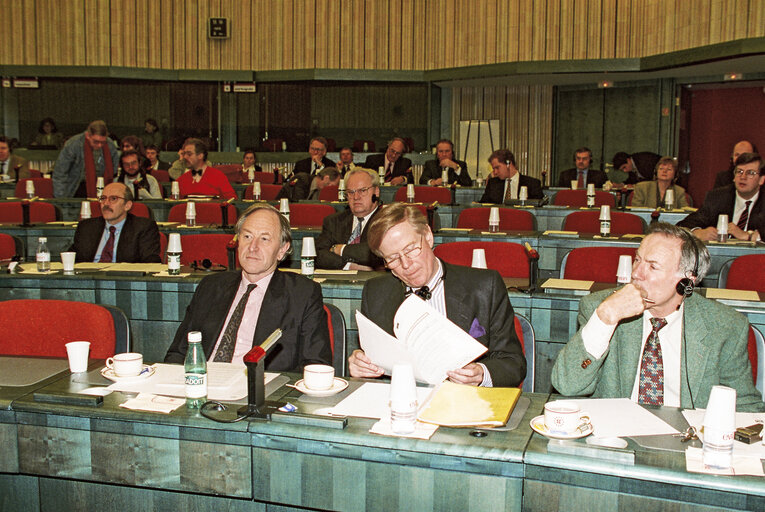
point(337, 386)
point(538, 424)
point(108, 373)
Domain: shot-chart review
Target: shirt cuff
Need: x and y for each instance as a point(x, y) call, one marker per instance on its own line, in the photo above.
point(486, 382)
point(596, 336)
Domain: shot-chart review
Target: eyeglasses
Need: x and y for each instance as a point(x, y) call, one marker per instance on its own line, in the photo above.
point(394, 152)
point(751, 173)
point(111, 199)
point(360, 191)
point(315, 150)
point(410, 253)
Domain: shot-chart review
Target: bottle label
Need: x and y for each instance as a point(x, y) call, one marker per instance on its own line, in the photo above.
point(43, 257)
point(173, 261)
point(196, 385)
point(306, 266)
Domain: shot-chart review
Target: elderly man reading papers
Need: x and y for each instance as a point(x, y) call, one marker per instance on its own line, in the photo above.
point(654, 340)
point(473, 299)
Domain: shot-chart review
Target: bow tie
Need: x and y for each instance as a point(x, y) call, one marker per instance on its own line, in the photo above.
point(424, 293)
point(196, 173)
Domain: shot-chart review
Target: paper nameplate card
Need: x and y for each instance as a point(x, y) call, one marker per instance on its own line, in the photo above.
point(461, 230)
point(568, 284)
point(720, 293)
point(561, 233)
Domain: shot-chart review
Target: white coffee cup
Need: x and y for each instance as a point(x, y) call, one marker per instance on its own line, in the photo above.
point(67, 259)
point(318, 377)
point(564, 417)
point(77, 353)
point(127, 364)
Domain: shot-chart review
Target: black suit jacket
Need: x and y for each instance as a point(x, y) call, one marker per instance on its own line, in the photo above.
point(495, 189)
point(402, 166)
point(595, 176)
point(432, 171)
point(305, 166)
point(645, 161)
point(292, 303)
point(336, 229)
point(138, 242)
point(722, 201)
point(297, 188)
point(471, 295)
point(723, 178)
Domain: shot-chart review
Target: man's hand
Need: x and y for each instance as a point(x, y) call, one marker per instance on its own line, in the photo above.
point(337, 249)
point(736, 232)
point(436, 182)
point(707, 234)
point(361, 366)
point(356, 266)
point(471, 374)
point(398, 180)
point(446, 162)
point(629, 301)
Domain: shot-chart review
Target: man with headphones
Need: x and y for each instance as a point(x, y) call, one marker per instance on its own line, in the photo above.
point(651, 193)
point(506, 180)
point(655, 341)
point(343, 239)
point(581, 171)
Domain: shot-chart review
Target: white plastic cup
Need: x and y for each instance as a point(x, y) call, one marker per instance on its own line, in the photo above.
point(175, 190)
point(191, 210)
point(67, 260)
point(365, 147)
point(174, 242)
point(719, 427)
point(77, 353)
point(605, 212)
point(494, 218)
point(590, 189)
point(523, 193)
point(669, 199)
point(574, 184)
point(256, 190)
point(624, 271)
point(30, 187)
point(444, 176)
point(309, 247)
point(319, 377)
point(341, 185)
point(403, 399)
point(479, 258)
point(410, 192)
point(284, 205)
point(85, 210)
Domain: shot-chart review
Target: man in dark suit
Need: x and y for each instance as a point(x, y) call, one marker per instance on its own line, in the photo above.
point(302, 186)
point(235, 311)
point(582, 172)
point(117, 236)
point(726, 177)
point(474, 299)
point(12, 165)
point(635, 167)
point(457, 169)
point(397, 168)
point(343, 239)
point(741, 201)
point(318, 159)
point(506, 181)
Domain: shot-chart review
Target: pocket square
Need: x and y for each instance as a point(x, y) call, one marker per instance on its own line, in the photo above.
point(476, 331)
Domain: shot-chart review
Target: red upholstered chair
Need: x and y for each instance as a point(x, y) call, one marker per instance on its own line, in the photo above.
point(163, 247)
point(210, 246)
point(597, 264)
point(509, 219)
point(232, 171)
point(34, 173)
point(756, 349)
point(309, 215)
point(358, 146)
point(161, 176)
point(10, 246)
point(509, 259)
point(39, 212)
point(35, 327)
point(525, 333)
point(746, 272)
point(267, 192)
point(328, 193)
point(207, 213)
point(43, 187)
point(138, 209)
point(272, 144)
point(578, 198)
point(263, 177)
point(336, 324)
point(425, 195)
point(589, 222)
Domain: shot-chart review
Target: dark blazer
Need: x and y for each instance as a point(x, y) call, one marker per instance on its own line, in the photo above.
point(336, 229)
point(163, 166)
point(292, 303)
point(402, 166)
point(595, 176)
point(722, 201)
point(138, 242)
point(495, 189)
point(304, 165)
point(645, 161)
point(432, 171)
point(723, 178)
point(471, 295)
point(297, 188)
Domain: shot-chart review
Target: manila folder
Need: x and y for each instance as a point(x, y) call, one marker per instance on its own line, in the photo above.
point(460, 405)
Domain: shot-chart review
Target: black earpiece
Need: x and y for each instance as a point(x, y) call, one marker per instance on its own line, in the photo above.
point(375, 198)
point(686, 285)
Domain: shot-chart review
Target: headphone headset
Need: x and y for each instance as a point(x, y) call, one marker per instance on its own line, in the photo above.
point(685, 285)
point(207, 266)
point(375, 198)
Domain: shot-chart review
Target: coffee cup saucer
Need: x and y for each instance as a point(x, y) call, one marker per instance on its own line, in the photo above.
point(538, 424)
point(146, 372)
point(337, 386)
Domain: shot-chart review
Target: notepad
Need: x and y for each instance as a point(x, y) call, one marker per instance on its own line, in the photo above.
point(460, 405)
point(561, 233)
point(568, 284)
point(720, 293)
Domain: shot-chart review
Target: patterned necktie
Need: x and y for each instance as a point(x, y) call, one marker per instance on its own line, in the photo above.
point(227, 343)
point(509, 193)
point(580, 179)
point(356, 234)
point(389, 172)
point(651, 387)
point(742, 221)
point(107, 254)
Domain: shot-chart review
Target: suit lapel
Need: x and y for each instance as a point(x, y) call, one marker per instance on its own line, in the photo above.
point(272, 310)
point(454, 291)
point(126, 236)
point(694, 343)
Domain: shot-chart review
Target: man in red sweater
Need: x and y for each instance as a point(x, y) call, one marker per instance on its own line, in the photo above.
point(201, 180)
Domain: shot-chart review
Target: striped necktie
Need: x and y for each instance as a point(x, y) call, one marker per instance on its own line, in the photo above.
point(744, 219)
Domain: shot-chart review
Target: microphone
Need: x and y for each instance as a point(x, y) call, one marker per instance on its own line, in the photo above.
point(256, 382)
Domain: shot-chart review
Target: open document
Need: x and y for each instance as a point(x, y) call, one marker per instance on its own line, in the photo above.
point(427, 340)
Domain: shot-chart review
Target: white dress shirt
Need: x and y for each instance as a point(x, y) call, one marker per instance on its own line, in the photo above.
point(740, 206)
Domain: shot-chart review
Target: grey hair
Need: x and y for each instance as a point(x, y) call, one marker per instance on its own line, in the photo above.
point(693, 252)
point(284, 225)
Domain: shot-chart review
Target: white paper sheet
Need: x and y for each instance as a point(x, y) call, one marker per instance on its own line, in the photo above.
point(621, 417)
point(695, 417)
point(371, 401)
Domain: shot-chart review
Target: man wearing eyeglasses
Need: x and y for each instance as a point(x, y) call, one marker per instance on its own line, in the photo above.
point(342, 243)
point(201, 179)
point(83, 159)
point(741, 201)
point(117, 236)
point(318, 159)
point(397, 168)
point(474, 299)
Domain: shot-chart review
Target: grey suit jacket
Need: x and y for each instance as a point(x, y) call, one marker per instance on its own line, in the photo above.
point(715, 352)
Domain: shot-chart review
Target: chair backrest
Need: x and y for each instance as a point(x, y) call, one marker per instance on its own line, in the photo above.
point(12, 212)
point(578, 198)
point(509, 219)
point(267, 192)
point(756, 349)
point(597, 264)
point(309, 215)
point(358, 146)
point(507, 258)
point(34, 173)
point(40, 327)
point(426, 195)
point(328, 193)
point(211, 246)
point(161, 176)
point(10, 246)
point(272, 144)
point(336, 323)
point(232, 172)
point(138, 209)
point(746, 272)
point(163, 247)
point(207, 213)
point(525, 332)
point(43, 187)
point(262, 177)
point(589, 222)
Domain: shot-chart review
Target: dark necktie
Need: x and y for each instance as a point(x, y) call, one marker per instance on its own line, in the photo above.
point(424, 293)
point(356, 234)
point(389, 172)
point(196, 173)
point(2, 167)
point(580, 179)
point(227, 343)
point(107, 254)
point(651, 387)
point(742, 221)
point(509, 193)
